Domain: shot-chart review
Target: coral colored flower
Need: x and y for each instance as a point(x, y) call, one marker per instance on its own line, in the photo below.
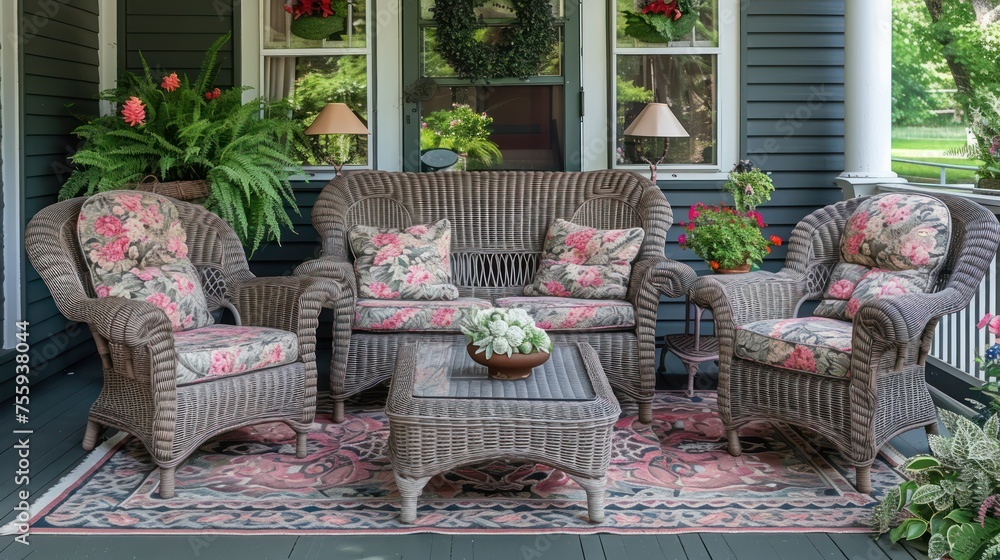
point(216, 93)
point(134, 112)
point(714, 265)
point(994, 326)
point(170, 82)
point(775, 240)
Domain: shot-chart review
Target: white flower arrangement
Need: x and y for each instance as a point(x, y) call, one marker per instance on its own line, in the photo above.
point(504, 331)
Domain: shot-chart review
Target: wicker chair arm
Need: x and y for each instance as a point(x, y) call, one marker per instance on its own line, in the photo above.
point(664, 276)
point(755, 296)
point(130, 322)
point(283, 302)
point(328, 267)
point(903, 319)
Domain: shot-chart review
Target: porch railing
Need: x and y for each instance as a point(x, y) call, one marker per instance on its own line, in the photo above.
point(957, 341)
point(942, 167)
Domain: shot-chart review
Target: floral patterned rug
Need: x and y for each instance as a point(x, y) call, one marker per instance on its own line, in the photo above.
point(669, 477)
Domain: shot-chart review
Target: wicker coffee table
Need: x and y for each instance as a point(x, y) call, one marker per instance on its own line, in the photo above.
point(444, 412)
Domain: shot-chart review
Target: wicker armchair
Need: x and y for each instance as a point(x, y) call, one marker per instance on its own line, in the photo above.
point(498, 223)
point(879, 390)
point(142, 394)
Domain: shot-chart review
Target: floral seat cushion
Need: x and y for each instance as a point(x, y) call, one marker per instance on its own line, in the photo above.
point(411, 264)
point(893, 244)
point(583, 262)
point(221, 350)
point(135, 248)
point(574, 314)
point(816, 345)
point(414, 315)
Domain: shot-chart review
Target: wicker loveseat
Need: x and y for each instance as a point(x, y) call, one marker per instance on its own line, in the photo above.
point(498, 224)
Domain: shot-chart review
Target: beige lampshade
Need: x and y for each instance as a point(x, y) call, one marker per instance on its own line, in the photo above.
point(337, 118)
point(656, 119)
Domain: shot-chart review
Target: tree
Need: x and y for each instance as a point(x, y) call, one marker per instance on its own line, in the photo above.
point(918, 69)
point(969, 34)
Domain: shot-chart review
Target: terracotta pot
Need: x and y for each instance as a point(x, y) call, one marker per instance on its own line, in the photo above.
point(738, 270)
point(515, 366)
point(989, 184)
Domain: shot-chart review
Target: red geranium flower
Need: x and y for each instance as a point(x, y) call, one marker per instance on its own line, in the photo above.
point(669, 9)
point(776, 240)
point(310, 8)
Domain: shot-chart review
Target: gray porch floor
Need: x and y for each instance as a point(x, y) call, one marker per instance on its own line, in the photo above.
point(58, 417)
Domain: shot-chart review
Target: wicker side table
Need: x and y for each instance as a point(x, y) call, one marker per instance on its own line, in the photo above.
point(444, 412)
point(692, 347)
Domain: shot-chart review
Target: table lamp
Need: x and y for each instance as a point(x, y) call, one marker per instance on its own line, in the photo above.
point(336, 118)
point(656, 121)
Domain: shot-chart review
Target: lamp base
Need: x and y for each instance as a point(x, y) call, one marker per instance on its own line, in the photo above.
point(653, 165)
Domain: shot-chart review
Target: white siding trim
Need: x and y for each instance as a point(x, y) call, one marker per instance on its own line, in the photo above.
point(107, 48)
point(10, 151)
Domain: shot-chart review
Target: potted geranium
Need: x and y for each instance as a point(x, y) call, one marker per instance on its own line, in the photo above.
point(729, 238)
point(317, 19)
point(192, 139)
point(660, 21)
point(463, 131)
point(506, 341)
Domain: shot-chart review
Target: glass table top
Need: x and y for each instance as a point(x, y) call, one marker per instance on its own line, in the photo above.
point(445, 370)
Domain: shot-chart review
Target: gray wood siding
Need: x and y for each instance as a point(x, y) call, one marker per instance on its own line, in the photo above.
point(59, 67)
point(173, 35)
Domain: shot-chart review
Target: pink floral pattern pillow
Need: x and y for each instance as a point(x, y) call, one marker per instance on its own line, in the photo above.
point(894, 244)
point(403, 264)
point(136, 248)
point(584, 262)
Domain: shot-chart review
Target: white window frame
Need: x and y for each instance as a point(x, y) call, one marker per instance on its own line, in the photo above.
point(727, 97)
point(10, 144)
point(382, 49)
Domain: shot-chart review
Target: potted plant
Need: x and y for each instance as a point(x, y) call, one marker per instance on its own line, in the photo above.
point(506, 341)
point(729, 238)
point(175, 130)
point(317, 19)
point(463, 131)
point(661, 21)
point(952, 500)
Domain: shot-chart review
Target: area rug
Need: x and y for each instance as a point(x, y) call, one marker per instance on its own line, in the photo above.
point(671, 476)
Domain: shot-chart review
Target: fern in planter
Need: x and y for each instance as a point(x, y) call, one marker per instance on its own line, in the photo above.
point(176, 130)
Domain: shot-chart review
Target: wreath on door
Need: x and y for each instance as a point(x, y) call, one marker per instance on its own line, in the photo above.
point(518, 51)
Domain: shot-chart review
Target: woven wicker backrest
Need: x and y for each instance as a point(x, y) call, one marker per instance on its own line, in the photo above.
point(51, 237)
point(814, 246)
point(499, 219)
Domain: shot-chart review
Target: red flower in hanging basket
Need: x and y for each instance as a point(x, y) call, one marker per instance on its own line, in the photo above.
point(300, 8)
point(669, 9)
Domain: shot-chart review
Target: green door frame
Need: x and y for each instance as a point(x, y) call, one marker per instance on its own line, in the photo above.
point(570, 80)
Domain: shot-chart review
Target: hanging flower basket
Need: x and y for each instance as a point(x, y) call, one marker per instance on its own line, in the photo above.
point(660, 21)
point(316, 28)
point(179, 190)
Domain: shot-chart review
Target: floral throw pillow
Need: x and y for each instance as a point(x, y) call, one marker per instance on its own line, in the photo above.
point(412, 263)
point(584, 262)
point(893, 244)
point(135, 248)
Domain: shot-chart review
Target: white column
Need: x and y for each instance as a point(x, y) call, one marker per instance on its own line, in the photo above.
point(867, 97)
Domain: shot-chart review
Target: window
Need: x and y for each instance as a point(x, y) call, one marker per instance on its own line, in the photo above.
point(694, 72)
point(309, 73)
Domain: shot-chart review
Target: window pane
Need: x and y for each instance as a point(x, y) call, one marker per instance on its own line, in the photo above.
point(702, 31)
point(309, 83)
point(492, 9)
point(279, 32)
point(687, 83)
point(433, 66)
point(527, 128)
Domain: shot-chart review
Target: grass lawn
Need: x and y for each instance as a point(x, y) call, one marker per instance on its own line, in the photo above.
point(930, 150)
